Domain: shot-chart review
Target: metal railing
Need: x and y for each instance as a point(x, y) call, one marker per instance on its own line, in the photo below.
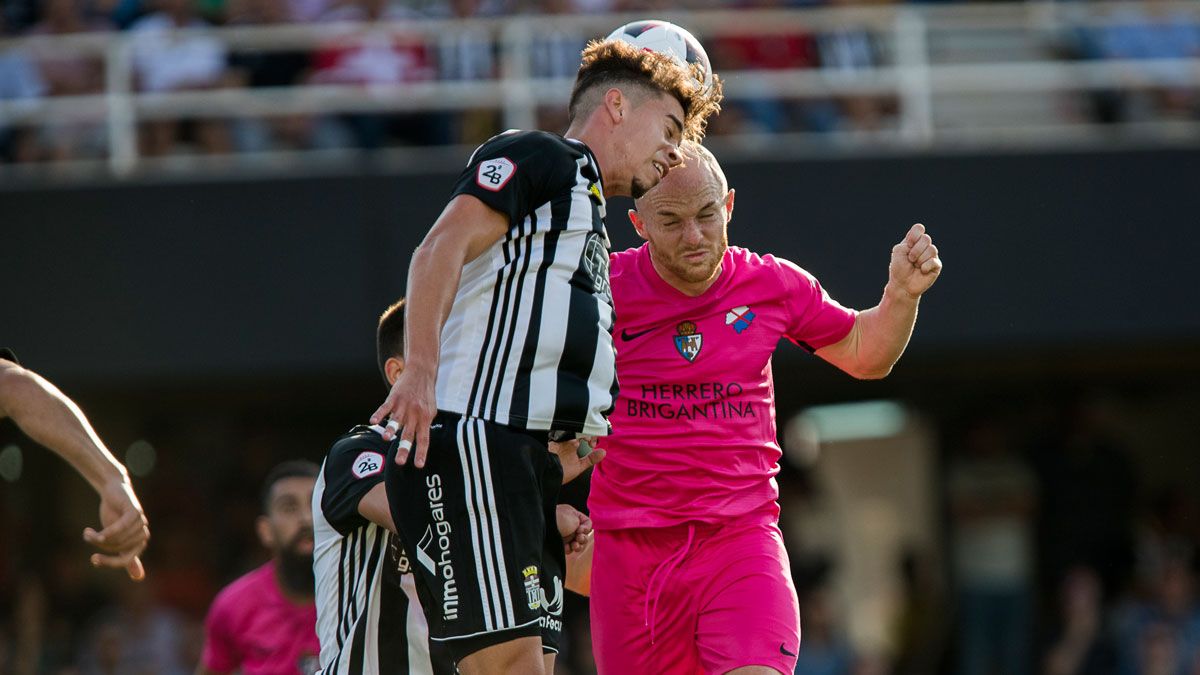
point(911, 74)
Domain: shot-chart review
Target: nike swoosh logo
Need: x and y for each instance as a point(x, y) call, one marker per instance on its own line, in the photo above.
point(784, 651)
point(627, 336)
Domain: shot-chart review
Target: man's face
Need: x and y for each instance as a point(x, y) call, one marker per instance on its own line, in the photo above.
point(287, 527)
point(653, 130)
point(685, 220)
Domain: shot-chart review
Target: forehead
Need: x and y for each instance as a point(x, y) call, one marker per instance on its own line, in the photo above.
point(292, 487)
point(662, 103)
point(690, 187)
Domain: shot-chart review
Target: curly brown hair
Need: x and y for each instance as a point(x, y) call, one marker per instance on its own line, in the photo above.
point(613, 63)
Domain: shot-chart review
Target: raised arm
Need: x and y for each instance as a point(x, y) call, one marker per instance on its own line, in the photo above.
point(466, 228)
point(881, 333)
point(47, 416)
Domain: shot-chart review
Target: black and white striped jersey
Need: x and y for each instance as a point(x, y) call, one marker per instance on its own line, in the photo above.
point(528, 342)
point(369, 618)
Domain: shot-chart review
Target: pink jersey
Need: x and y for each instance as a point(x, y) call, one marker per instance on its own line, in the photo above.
point(694, 424)
point(252, 628)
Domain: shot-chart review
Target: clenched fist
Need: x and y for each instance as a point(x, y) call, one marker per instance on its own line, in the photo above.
point(915, 263)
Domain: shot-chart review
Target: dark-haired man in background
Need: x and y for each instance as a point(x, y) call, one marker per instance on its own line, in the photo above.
point(264, 622)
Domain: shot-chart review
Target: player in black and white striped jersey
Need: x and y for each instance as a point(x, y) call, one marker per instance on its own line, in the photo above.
point(369, 617)
point(510, 346)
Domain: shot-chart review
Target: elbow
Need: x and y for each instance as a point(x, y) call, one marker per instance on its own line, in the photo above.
point(868, 373)
point(12, 381)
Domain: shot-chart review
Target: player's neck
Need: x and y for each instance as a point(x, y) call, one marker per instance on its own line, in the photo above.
point(617, 183)
point(688, 288)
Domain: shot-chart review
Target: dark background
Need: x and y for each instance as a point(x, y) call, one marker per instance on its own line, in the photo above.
point(230, 323)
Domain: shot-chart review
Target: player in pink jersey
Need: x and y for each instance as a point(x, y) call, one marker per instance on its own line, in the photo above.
point(264, 623)
point(690, 574)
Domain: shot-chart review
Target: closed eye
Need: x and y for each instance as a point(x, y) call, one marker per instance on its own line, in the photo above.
point(675, 128)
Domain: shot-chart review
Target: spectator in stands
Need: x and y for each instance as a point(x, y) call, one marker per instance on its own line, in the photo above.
point(468, 52)
point(1080, 642)
point(922, 624)
point(850, 49)
point(168, 62)
point(1147, 31)
point(824, 649)
point(992, 495)
point(138, 635)
point(19, 81)
point(766, 112)
point(378, 56)
point(67, 73)
point(265, 67)
point(1087, 490)
point(272, 68)
point(18, 14)
point(1161, 634)
point(555, 53)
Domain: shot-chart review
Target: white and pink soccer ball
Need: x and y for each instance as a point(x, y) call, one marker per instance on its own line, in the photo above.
point(667, 38)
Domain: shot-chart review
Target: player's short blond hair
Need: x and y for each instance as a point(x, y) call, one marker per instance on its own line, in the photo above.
point(693, 151)
point(694, 155)
point(614, 63)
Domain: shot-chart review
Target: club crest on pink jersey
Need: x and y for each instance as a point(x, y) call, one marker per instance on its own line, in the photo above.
point(688, 341)
point(739, 318)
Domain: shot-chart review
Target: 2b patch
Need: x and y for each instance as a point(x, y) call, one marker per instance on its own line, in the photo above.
point(368, 463)
point(494, 174)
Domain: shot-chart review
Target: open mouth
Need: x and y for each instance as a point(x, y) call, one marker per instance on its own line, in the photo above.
point(661, 169)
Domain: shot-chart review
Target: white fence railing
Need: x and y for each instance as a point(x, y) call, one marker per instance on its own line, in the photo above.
point(910, 71)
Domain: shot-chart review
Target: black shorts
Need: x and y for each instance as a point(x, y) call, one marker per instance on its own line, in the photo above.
point(479, 524)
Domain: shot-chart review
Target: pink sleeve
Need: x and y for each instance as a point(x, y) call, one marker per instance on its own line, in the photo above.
point(220, 652)
point(817, 320)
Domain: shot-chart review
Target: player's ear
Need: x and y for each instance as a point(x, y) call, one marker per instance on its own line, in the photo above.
point(729, 206)
point(638, 225)
point(393, 367)
point(265, 536)
point(615, 104)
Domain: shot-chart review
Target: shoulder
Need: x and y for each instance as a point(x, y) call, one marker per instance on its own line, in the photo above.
point(517, 146)
point(752, 264)
point(362, 450)
point(360, 438)
point(623, 276)
point(622, 261)
point(245, 593)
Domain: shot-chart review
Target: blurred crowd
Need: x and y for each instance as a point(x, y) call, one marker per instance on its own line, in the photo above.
point(1056, 559)
point(1053, 557)
point(380, 56)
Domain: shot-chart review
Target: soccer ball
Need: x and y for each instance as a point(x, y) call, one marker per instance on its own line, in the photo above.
point(665, 37)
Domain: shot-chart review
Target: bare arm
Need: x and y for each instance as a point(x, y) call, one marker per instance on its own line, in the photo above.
point(466, 228)
point(374, 507)
point(579, 570)
point(47, 416)
point(881, 333)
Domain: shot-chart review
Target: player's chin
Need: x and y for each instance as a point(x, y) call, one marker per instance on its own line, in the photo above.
point(638, 188)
